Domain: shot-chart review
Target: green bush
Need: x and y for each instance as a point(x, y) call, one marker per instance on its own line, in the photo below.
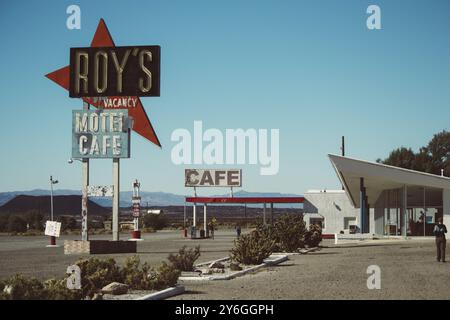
point(95, 274)
point(313, 236)
point(136, 275)
point(185, 258)
point(23, 288)
point(56, 289)
point(165, 276)
point(254, 247)
point(289, 233)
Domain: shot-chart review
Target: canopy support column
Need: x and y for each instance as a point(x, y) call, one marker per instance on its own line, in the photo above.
point(264, 214)
point(405, 208)
point(271, 213)
point(362, 205)
point(204, 220)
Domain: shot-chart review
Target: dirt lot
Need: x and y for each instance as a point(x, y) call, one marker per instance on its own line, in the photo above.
point(408, 268)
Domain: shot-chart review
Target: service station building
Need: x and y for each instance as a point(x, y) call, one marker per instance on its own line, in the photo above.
point(379, 199)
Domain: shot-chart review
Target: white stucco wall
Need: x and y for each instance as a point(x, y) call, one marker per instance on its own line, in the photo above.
point(446, 206)
point(334, 205)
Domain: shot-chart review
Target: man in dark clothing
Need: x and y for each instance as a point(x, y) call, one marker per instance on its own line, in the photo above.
point(439, 231)
point(238, 230)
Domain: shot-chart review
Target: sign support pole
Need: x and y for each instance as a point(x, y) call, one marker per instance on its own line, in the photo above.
point(84, 196)
point(115, 207)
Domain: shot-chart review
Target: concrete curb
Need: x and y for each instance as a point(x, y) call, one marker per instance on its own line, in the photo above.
point(207, 263)
point(163, 294)
point(270, 261)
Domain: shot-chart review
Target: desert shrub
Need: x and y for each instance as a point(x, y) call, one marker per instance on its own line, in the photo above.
point(34, 219)
point(23, 288)
point(136, 275)
point(289, 232)
point(67, 223)
point(56, 289)
point(148, 230)
point(4, 218)
point(16, 224)
point(254, 247)
point(313, 236)
point(95, 274)
point(185, 258)
point(235, 266)
point(20, 287)
point(155, 221)
point(142, 277)
point(165, 276)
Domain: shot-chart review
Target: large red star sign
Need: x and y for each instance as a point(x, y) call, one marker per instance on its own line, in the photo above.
point(142, 125)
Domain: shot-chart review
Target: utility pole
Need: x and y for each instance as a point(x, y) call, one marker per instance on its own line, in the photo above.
point(116, 195)
point(52, 182)
point(84, 191)
point(343, 152)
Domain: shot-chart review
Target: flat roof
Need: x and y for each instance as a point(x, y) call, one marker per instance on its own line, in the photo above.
point(379, 177)
point(245, 199)
point(325, 191)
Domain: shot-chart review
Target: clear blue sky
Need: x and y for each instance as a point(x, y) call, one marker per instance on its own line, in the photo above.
point(309, 68)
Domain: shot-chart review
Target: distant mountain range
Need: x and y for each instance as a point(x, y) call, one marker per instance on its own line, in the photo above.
point(150, 198)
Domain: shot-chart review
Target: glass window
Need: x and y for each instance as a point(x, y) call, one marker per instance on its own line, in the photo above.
point(318, 221)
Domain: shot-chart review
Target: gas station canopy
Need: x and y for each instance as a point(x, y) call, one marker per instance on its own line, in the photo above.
point(245, 199)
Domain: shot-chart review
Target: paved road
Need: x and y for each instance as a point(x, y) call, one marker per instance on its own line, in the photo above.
point(408, 268)
point(28, 255)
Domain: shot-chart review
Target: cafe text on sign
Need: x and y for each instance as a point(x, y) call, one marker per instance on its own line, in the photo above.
point(212, 178)
point(114, 71)
point(100, 134)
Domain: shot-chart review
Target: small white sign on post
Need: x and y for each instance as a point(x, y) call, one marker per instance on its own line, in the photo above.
point(100, 191)
point(52, 228)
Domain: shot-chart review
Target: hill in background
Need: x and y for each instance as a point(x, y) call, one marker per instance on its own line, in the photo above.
point(150, 199)
point(62, 205)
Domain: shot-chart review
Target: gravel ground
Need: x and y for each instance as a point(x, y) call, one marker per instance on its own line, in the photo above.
point(408, 271)
point(408, 268)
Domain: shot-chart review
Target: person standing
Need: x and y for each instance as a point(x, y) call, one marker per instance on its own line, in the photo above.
point(439, 231)
point(211, 229)
point(238, 230)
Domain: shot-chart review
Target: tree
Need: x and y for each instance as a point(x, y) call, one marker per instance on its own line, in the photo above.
point(431, 158)
point(438, 151)
point(401, 157)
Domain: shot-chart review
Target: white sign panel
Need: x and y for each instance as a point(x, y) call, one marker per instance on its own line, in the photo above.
point(136, 210)
point(52, 228)
point(213, 178)
point(100, 191)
